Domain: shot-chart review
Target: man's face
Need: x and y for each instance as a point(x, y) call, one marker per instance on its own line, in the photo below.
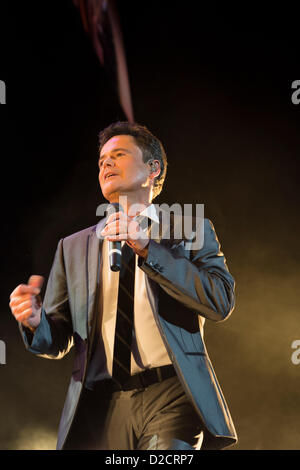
point(122, 158)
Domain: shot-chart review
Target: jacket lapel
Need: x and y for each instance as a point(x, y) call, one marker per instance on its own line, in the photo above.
point(170, 226)
point(164, 234)
point(167, 236)
point(93, 271)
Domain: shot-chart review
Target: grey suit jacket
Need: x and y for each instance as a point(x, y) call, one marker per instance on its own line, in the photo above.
point(185, 286)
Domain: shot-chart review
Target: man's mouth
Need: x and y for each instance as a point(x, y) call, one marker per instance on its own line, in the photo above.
point(110, 175)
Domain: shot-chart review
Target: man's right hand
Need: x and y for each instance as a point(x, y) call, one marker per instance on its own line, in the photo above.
point(26, 304)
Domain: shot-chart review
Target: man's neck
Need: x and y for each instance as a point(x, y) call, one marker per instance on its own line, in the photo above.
point(130, 205)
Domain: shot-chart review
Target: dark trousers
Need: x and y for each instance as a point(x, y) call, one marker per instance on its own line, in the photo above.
point(159, 417)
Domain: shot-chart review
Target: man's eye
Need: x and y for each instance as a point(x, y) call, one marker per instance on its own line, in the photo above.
point(119, 154)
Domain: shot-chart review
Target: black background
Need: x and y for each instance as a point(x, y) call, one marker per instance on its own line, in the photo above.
point(215, 86)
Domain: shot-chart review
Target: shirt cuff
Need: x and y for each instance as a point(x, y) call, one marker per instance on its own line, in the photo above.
point(34, 341)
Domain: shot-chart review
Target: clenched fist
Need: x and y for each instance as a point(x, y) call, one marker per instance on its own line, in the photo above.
point(26, 304)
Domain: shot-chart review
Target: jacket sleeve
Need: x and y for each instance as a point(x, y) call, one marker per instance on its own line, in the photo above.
point(54, 336)
point(200, 280)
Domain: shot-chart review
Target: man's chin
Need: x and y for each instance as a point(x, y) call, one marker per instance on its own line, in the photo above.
point(109, 191)
point(111, 196)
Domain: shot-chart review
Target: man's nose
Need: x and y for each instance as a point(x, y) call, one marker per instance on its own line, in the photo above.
point(108, 162)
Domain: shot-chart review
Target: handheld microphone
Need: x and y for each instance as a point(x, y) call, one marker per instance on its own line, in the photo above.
point(114, 247)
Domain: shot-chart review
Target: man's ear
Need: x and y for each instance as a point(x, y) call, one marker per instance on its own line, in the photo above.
point(154, 168)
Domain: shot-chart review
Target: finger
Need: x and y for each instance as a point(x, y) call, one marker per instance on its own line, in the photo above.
point(115, 216)
point(115, 228)
point(36, 281)
point(132, 230)
point(19, 299)
point(113, 238)
point(134, 226)
point(24, 316)
point(24, 289)
point(22, 307)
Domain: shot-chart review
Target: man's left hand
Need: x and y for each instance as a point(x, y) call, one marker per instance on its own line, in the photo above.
point(119, 226)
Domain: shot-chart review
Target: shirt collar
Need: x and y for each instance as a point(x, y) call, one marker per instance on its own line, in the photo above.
point(150, 212)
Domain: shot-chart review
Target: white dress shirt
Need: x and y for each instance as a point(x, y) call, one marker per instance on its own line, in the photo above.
point(148, 349)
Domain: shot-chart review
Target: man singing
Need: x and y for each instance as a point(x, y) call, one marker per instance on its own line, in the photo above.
point(142, 378)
